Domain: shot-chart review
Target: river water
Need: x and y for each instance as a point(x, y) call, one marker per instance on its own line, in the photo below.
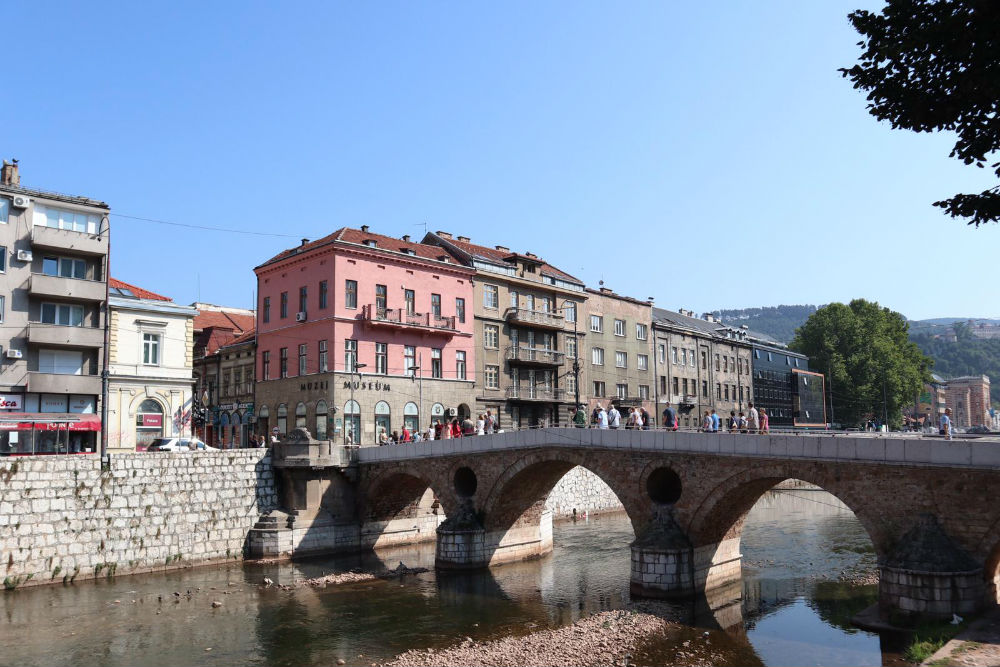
point(793, 607)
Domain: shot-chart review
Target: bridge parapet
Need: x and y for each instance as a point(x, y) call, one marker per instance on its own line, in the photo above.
point(855, 447)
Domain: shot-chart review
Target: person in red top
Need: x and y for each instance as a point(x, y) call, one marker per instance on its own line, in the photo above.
point(406, 437)
point(456, 428)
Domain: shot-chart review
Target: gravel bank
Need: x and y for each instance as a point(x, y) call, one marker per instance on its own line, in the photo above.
point(602, 639)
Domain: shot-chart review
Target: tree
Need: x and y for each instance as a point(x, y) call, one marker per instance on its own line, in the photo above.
point(865, 352)
point(931, 65)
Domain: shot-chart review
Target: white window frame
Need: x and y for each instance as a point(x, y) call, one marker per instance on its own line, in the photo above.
point(621, 389)
point(641, 331)
point(642, 362)
point(155, 343)
point(597, 356)
point(491, 296)
point(491, 336)
point(597, 323)
point(492, 376)
point(620, 327)
point(70, 308)
point(621, 359)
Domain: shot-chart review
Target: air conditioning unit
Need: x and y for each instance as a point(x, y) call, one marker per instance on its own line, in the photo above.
point(20, 201)
point(24, 255)
point(300, 316)
point(14, 354)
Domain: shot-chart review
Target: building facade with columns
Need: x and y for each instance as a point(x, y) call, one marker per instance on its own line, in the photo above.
point(150, 381)
point(362, 333)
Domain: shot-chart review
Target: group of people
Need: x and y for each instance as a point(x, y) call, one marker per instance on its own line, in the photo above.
point(755, 421)
point(484, 424)
point(637, 418)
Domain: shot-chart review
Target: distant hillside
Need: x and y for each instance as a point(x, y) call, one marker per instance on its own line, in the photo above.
point(779, 322)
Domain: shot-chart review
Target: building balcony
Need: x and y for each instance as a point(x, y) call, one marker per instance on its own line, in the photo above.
point(57, 335)
point(534, 356)
point(78, 243)
point(54, 383)
point(398, 318)
point(534, 318)
point(57, 287)
point(541, 394)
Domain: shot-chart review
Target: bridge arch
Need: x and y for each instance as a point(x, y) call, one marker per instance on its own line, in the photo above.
point(518, 494)
point(401, 506)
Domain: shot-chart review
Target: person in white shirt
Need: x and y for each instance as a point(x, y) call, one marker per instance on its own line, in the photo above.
point(753, 419)
point(602, 418)
point(614, 417)
point(637, 421)
point(481, 425)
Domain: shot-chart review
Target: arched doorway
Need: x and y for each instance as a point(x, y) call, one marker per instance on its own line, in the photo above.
point(321, 417)
point(437, 413)
point(225, 436)
point(236, 421)
point(411, 417)
point(148, 424)
point(352, 423)
point(264, 422)
point(383, 421)
point(464, 412)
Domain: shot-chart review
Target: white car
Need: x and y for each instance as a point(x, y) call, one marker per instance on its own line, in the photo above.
point(179, 445)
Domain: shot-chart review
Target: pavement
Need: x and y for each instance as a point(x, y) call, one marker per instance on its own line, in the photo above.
point(976, 646)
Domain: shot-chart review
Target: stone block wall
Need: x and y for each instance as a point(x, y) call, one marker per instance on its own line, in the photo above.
point(583, 491)
point(62, 518)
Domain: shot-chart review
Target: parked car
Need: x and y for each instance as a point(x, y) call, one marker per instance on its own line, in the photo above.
point(179, 445)
point(981, 430)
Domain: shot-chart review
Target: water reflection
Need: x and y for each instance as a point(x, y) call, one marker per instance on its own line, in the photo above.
point(790, 608)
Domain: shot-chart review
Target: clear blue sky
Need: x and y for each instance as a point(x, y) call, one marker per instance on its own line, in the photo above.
point(706, 154)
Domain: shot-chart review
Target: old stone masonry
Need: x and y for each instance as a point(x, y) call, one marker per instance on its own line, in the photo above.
point(63, 518)
point(583, 491)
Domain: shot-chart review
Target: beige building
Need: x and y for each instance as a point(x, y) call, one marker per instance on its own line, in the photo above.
point(969, 400)
point(53, 299)
point(701, 364)
point(525, 311)
point(150, 368)
point(619, 357)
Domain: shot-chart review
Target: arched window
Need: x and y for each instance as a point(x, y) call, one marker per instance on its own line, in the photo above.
point(148, 423)
point(282, 419)
point(352, 421)
point(382, 419)
point(263, 421)
point(321, 411)
point(437, 413)
point(411, 417)
point(300, 415)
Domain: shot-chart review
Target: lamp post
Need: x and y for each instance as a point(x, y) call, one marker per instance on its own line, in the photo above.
point(576, 350)
point(357, 369)
point(420, 390)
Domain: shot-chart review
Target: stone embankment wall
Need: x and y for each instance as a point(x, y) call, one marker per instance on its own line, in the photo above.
point(583, 491)
point(62, 518)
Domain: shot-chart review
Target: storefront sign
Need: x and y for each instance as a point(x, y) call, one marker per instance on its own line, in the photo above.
point(49, 422)
point(321, 384)
point(229, 407)
point(11, 402)
point(152, 420)
point(82, 404)
point(53, 403)
point(371, 386)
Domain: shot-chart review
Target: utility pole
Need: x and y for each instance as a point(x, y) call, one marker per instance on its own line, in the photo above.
point(420, 384)
point(357, 369)
point(885, 414)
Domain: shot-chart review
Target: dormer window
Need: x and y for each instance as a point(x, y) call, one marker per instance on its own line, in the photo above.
point(409, 251)
point(371, 243)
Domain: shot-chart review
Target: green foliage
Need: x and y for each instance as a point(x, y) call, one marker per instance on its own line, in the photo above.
point(967, 356)
point(864, 348)
point(928, 637)
point(930, 66)
point(779, 322)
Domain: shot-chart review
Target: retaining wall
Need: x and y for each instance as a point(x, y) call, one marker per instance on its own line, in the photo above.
point(582, 490)
point(63, 518)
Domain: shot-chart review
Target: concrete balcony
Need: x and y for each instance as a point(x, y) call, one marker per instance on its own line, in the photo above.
point(57, 287)
point(77, 243)
point(53, 383)
point(534, 318)
point(399, 319)
point(534, 356)
point(57, 335)
point(540, 394)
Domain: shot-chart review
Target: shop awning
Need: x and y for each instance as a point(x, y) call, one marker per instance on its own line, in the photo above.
point(47, 421)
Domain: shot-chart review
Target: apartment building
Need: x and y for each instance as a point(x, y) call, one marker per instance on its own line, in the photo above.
point(150, 367)
point(785, 387)
point(701, 364)
point(369, 331)
point(620, 351)
point(969, 400)
point(53, 309)
point(526, 332)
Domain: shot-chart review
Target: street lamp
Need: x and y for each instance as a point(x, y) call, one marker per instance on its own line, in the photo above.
point(420, 382)
point(576, 349)
point(357, 369)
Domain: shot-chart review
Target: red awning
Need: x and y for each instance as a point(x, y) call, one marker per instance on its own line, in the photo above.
point(47, 421)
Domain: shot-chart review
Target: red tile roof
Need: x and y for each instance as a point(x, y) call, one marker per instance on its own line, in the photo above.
point(207, 319)
point(138, 291)
point(498, 256)
point(358, 237)
point(242, 338)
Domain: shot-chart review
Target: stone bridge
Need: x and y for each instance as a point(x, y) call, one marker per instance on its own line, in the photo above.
point(929, 505)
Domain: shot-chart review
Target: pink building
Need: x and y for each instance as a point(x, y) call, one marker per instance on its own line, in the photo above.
point(363, 332)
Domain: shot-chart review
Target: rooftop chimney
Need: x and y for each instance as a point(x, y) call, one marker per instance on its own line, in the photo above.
point(406, 238)
point(606, 290)
point(444, 235)
point(305, 241)
point(466, 239)
point(9, 175)
point(503, 248)
point(530, 254)
point(364, 228)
